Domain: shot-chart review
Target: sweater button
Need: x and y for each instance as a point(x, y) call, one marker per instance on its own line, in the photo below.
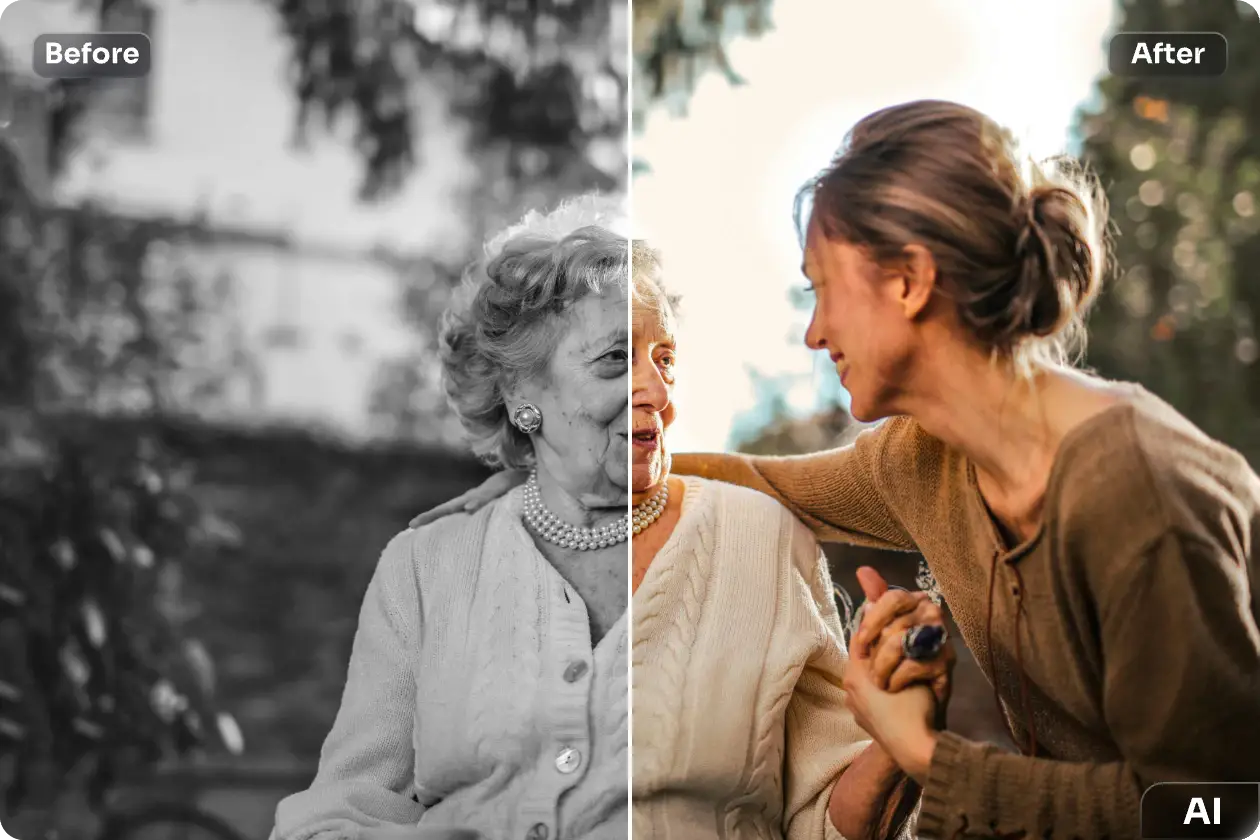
point(575, 671)
point(567, 760)
point(537, 832)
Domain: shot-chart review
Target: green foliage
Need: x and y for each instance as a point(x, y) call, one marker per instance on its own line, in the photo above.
point(98, 672)
point(538, 85)
point(104, 678)
point(1180, 161)
point(541, 88)
point(278, 605)
point(677, 41)
point(540, 79)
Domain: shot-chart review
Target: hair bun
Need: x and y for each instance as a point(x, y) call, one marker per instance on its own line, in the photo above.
point(1058, 271)
point(1018, 245)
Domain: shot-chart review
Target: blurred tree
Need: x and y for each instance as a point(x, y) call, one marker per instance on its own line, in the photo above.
point(542, 87)
point(541, 84)
point(408, 402)
point(677, 41)
point(789, 435)
point(96, 671)
point(1180, 160)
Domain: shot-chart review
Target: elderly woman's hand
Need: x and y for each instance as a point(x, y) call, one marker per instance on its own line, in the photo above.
point(901, 722)
point(887, 615)
point(476, 498)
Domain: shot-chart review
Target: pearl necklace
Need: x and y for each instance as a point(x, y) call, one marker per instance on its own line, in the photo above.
point(650, 510)
point(547, 525)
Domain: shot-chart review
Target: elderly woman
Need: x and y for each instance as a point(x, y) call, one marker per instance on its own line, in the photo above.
point(487, 688)
point(741, 727)
point(740, 721)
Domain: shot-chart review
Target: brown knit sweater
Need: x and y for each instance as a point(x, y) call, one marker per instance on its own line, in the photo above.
point(1136, 654)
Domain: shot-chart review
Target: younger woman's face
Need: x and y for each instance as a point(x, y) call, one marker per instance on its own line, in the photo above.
point(860, 320)
point(582, 396)
point(652, 393)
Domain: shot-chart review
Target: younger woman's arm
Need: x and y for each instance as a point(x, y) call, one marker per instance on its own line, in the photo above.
point(1180, 693)
point(835, 492)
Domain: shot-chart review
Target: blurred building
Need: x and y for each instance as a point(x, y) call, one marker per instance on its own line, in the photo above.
point(205, 148)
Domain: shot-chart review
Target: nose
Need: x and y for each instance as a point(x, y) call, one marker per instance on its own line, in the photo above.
point(649, 392)
point(814, 338)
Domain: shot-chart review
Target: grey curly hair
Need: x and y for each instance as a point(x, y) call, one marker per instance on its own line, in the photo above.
point(650, 294)
point(504, 324)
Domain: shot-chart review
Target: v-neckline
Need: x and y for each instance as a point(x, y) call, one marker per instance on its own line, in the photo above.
point(512, 510)
point(1011, 553)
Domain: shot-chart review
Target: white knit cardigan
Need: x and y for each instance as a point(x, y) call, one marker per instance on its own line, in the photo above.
point(474, 698)
point(740, 723)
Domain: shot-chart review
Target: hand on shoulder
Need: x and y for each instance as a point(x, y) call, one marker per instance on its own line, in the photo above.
point(492, 488)
point(414, 832)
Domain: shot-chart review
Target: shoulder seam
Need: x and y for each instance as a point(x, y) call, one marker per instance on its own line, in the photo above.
point(1148, 473)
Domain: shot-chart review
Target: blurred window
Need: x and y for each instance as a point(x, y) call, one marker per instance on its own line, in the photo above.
point(121, 107)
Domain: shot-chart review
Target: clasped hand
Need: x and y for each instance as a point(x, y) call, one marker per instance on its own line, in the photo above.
point(898, 701)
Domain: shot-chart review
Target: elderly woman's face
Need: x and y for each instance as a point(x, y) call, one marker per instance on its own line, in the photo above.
point(583, 400)
point(652, 395)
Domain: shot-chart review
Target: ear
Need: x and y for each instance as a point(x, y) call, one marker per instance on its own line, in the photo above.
point(918, 280)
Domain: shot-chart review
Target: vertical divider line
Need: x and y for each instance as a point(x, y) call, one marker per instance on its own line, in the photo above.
point(629, 194)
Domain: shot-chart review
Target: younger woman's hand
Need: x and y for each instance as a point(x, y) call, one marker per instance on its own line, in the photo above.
point(886, 617)
point(902, 722)
point(475, 499)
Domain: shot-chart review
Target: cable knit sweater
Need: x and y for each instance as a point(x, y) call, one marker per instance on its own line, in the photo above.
point(474, 698)
point(1124, 632)
point(740, 723)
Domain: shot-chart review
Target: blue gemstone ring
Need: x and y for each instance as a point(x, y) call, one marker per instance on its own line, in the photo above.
point(923, 642)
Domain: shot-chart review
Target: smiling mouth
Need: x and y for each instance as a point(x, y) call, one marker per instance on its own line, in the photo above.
point(842, 366)
point(648, 438)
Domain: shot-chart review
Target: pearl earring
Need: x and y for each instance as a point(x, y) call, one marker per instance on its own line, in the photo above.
point(527, 418)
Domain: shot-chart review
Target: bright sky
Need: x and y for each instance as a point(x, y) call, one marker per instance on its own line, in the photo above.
point(718, 199)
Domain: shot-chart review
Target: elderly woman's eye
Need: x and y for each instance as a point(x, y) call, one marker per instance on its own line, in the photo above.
point(667, 360)
point(613, 363)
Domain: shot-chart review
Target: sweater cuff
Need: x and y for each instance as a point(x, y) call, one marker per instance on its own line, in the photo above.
point(947, 775)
